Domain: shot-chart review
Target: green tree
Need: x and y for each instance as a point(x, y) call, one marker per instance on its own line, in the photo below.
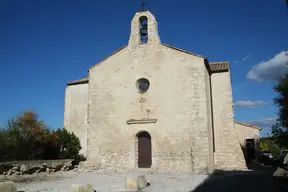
point(72, 145)
point(264, 146)
point(268, 144)
point(69, 141)
point(280, 128)
point(25, 137)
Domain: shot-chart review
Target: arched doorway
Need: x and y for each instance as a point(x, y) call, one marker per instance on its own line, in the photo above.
point(144, 150)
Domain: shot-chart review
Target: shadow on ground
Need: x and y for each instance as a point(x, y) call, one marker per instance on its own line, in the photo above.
point(258, 179)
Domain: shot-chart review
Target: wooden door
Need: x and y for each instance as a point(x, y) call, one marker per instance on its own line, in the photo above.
point(144, 150)
point(250, 150)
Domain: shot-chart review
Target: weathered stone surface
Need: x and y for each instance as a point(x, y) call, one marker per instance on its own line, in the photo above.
point(7, 186)
point(246, 132)
point(30, 167)
point(178, 124)
point(141, 182)
point(131, 184)
point(23, 168)
point(187, 102)
point(228, 153)
point(82, 188)
point(285, 161)
point(15, 168)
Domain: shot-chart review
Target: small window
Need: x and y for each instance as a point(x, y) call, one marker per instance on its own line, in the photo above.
point(142, 85)
point(143, 29)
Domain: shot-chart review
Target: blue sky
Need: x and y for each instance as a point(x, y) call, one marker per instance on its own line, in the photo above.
point(45, 44)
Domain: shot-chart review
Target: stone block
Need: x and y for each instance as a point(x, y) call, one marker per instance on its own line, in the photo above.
point(82, 188)
point(7, 186)
point(131, 184)
point(141, 182)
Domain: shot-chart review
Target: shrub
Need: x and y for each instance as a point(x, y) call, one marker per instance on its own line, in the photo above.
point(270, 145)
point(25, 137)
point(70, 141)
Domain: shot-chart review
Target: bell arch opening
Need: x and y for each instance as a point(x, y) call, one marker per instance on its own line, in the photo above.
point(143, 149)
point(143, 29)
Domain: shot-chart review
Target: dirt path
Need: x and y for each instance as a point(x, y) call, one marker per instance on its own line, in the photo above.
point(160, 182)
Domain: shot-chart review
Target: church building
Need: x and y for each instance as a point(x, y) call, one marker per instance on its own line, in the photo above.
point(158, 107)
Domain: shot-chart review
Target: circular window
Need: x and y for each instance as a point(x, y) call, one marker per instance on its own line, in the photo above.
point(142, 85)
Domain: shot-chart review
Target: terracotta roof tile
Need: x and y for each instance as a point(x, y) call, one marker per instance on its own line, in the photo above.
point(219, 66)
point(248, 125)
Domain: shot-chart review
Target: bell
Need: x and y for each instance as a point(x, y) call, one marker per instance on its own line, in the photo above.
point(144, 26)
point(143, 29)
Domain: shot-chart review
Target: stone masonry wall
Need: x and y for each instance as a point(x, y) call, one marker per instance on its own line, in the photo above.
point(75, 113)
point(153, 36)
point(245, 132)
point(210, 122)
point(177, 98)
point(228, 153)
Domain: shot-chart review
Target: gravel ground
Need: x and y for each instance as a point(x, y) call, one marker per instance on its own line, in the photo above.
point(160, 182)
point(111, 181)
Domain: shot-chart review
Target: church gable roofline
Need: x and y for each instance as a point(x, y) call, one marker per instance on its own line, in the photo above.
point(184, 51)
point(248, 125)
point(169, 46)
point(79, 81)
point(107, 57)
point(187, 52)
point(212, 67)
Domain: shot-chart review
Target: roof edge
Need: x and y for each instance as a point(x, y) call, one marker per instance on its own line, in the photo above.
point(182, 50)
point(248, 125)
point(220, 70)
point(79, 81)
point(217, 62)
point(107, 57)
point(206, 62)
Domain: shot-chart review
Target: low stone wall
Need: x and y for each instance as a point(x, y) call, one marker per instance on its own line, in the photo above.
point(30, 167)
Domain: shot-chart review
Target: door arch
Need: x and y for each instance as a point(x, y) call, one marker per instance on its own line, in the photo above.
point(144, 149)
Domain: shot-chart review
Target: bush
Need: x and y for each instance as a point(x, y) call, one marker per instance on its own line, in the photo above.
point(28, 138)
point(70, 142)
point(270, 145)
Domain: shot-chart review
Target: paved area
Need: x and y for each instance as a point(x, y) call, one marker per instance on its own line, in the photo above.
point(160, 182)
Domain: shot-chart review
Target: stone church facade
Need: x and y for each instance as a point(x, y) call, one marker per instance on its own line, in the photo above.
point(151, 105)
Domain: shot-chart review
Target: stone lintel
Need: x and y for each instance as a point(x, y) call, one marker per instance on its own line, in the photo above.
point(142, 121)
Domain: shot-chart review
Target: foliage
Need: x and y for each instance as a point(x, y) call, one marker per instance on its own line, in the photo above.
point(280, 128)
point(269, 144)
point(264, 146)
point(275, 149)
point(25, 137)
point(72, 144)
